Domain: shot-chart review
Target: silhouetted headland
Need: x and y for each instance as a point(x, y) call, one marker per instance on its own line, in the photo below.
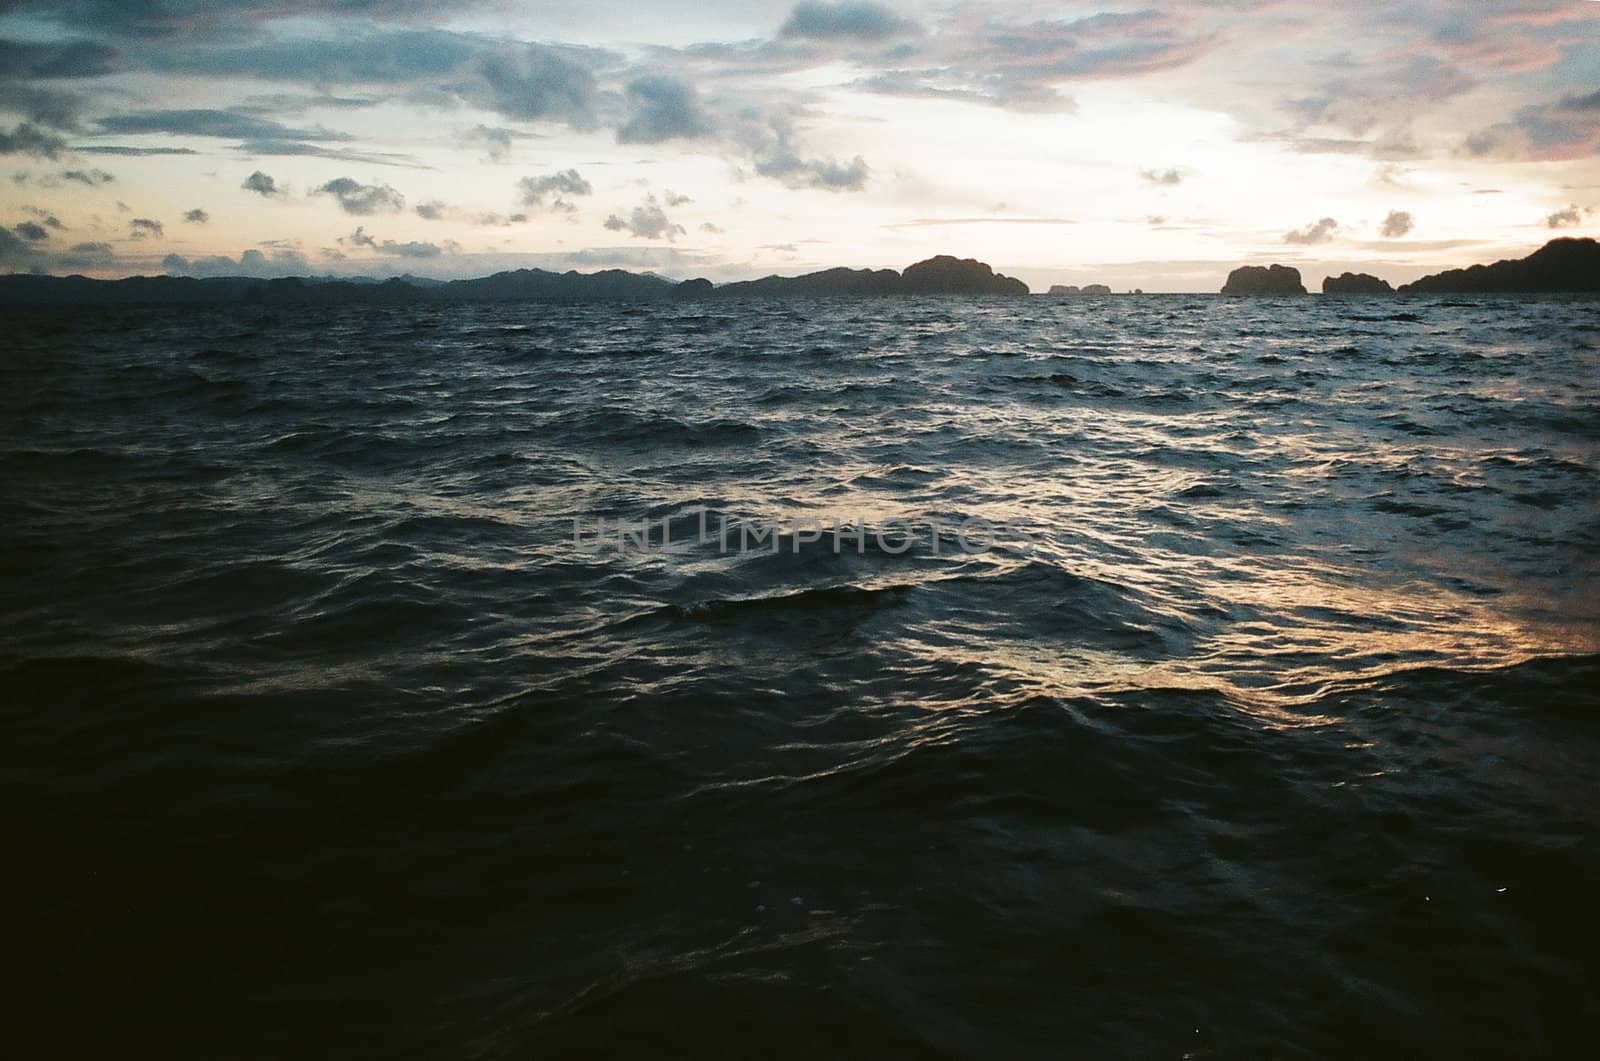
point(942, 275)
point(1562, 265)
point(1355, 284)
point(1264, 280)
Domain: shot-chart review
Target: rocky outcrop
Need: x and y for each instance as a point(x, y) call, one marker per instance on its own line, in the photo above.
point(1562, 265)
point(1355, 284)
point(1264, 280)
point(699, 287)
point(946, 275)
point(1087, 289)
point(943, 275)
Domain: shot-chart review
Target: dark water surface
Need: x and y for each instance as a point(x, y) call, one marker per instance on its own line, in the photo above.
point(322, 738)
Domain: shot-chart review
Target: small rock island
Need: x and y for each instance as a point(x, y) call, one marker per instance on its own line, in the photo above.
point(1264, 280)
point(1355, 284)
point(1087, 289)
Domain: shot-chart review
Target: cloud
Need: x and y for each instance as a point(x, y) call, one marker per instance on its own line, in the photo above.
point(294, 148)
point(232, 125)
point(389, 248)
point(284, 261)
point(67, 59)
point(495, 141)
point(535, 81)
point(1565, 218)
point(939, 222)
point(13, 251)
point(130, 152)
point(48, 107)
point(536, 191)
point(31, 231)
point(635, 257)
point(145, 228)
point(88, 256)
point(674, 199)
point(196, 216)
point(646, 221)
point(91, 177)
point(46, 218)
point(263, 186)
point(364, 199)
point(29, 139)
point(161, 19)
point(1319, 232)
point(1167, 176)
point(772, 144)
point(853, 20)
point(1541, 132)
point(434, 210)
point(662, 108)
point(1397, 224)
point(412, 249)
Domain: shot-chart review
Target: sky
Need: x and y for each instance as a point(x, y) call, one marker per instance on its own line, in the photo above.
point(1141, 145)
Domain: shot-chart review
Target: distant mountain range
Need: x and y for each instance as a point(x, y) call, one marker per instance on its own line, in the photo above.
point(1562, 265)
point(943, 275)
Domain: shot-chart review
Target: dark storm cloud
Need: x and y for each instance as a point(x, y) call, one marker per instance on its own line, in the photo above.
point(552, 189)
point(196, 216)
point(850, 20)
point(31, 231)
point(232, 125)
point(28, 139)
point(646, 221)
point(145, 228)
point(363, 199)
point(28, 61)
point(263, 186)
point(662, 108)
point(1318, 232)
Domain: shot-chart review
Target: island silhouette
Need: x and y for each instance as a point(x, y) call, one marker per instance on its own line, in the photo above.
point(1566, 265)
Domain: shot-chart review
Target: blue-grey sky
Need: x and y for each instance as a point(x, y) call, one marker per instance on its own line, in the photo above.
point(1149, 145)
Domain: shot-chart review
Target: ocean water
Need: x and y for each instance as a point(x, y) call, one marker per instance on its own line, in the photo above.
point(1173, 677)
